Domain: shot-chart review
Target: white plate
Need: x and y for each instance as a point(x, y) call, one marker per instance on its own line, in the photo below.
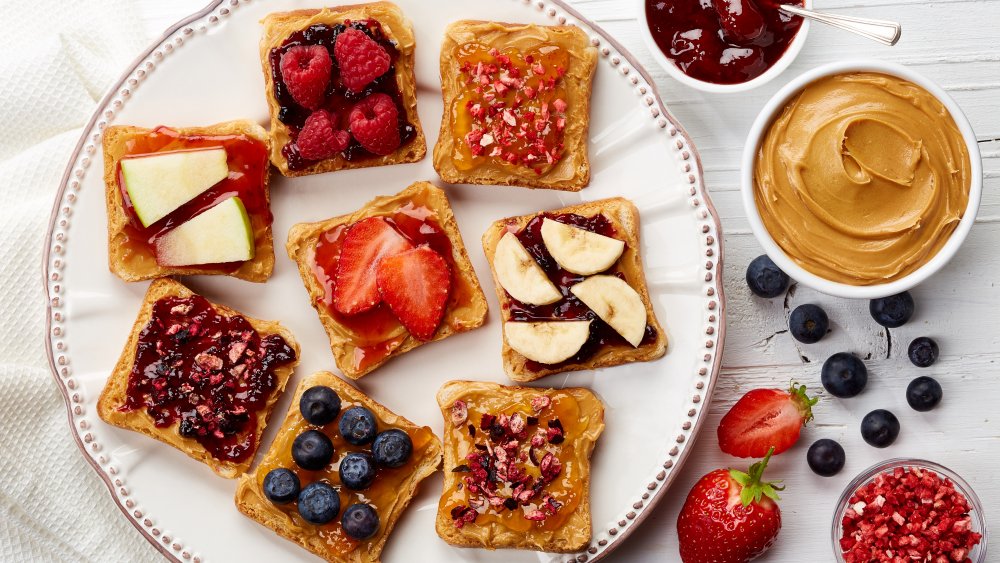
point(206, 70)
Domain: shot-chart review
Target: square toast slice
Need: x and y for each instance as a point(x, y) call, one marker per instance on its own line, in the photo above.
point(547, 436)
point(137, 262)
point(397, 29)
point(624, 219)
point(115, 393)
point(392, 488)
point(518, 110)
point(354, 348)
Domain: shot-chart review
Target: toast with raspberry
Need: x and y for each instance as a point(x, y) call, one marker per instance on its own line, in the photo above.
point(340, 88)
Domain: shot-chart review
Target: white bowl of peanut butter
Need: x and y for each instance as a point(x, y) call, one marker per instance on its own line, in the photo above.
point(861, 179)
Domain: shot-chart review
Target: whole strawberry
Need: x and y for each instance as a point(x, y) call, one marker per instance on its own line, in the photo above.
point(729, 516)
point(765, 419)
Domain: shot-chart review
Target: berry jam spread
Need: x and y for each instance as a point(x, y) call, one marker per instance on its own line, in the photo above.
point(569, 308)
point(382, 495)
point(211, 372)
point(523, 470)
point(722, 41)
point(339, 100)
point(377, 332)
point(248, 168)
point(513, 110)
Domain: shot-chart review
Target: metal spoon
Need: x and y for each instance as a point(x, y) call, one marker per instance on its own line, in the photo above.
point(885, 32)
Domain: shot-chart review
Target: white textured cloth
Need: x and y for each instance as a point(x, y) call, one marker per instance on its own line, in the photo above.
point(56, 60)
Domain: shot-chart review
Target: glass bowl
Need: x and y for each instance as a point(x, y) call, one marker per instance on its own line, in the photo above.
point(978, 553)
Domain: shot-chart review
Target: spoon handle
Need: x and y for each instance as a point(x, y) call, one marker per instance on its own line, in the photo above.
point(885, 32)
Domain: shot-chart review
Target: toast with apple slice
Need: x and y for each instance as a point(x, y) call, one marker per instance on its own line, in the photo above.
point(192, 200)
point(572, 290)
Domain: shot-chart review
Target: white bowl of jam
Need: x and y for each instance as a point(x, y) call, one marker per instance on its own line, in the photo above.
point(722, 46)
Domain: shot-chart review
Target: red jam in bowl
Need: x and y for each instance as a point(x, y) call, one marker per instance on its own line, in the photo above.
point(722, 41)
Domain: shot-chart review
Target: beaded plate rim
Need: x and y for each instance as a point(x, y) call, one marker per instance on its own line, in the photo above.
point(612, 52)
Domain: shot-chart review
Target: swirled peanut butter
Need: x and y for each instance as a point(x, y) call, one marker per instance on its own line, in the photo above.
point(862, 178)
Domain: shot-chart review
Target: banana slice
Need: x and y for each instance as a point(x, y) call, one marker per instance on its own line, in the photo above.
point(520, 275)
point(616, 303)
point(579, 250)
point(547, 342)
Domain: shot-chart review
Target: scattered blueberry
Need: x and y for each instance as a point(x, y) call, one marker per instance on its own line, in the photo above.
point(924, 393)
point(826, 457)
point(312, 450)
point(319, 405)
point(360, 521)
point(844, 375)
point(357, 471)
point(358, 426)
point(392, 448)
point(808, 323)
point(765, 278)
point(892, 311)
point(923, 351)
point(880, 428)
point(319, 503)
point(281, 485)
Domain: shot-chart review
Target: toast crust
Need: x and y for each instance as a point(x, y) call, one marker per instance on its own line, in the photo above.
point(114, 393)
point(624, 216)
point(277, 28)
point(458, 316)
point(251, 501)
point(121, 260)
point(572, 173)
point(575, 532)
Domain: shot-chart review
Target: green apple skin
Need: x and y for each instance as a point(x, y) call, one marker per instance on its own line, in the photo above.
point(221, 234)
point(159, 183)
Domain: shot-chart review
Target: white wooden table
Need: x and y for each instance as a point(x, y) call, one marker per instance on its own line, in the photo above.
point(953, 42)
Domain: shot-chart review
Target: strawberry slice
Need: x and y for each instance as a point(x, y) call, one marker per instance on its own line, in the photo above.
point(764, 418)
point(366, 243)
point(415, 284)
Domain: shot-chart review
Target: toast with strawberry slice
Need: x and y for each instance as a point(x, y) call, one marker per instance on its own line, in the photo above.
point(389, 277)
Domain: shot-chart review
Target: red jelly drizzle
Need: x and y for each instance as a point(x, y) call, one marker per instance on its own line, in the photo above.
point(415, 222)
point(211, 372)
point(248, 165)
point(569, 308)
point(690, 33)
point(339, 99)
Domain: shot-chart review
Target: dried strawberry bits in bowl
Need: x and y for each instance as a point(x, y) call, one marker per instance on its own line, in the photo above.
point(909, 510)
point(341, 89)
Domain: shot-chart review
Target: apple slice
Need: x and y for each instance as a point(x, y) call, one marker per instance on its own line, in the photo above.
point(616, 303)
point(159, 183)
point(221, 234)
point(547, 342)
point(578, 250)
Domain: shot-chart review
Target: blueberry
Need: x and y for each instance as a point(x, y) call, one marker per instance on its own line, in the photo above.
point(765, 278)
point(281, 485)
point(319, 503)
point(826, 457)
point(880, 428)
point(923, 351)
point(360, 521)
point(392, 448)
point(892, 311)
point(358, 426)
point(924, 393)
point(357, 470)
point(319, 405)
point(844, 375)
point(312, 450)
point(808, 323)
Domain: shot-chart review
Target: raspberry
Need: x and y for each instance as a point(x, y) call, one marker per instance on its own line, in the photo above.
point(360, 58)
point(374, 123)
point(306, 72)
point(319, 139)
